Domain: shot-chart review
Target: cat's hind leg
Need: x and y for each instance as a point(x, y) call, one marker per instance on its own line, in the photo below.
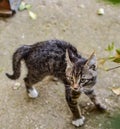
point(32, 92)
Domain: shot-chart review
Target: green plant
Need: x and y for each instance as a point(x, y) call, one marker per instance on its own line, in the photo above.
point(113, 1)
point(113, 56)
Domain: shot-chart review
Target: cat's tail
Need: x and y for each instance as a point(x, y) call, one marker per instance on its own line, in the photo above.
point(19, 54)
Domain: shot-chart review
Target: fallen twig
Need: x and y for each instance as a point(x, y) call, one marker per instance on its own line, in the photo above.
point(113, 68)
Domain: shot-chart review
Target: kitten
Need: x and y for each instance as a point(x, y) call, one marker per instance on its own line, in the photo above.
point(59, 59)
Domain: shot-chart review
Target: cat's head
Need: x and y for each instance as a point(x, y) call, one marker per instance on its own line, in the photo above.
point(81, 73)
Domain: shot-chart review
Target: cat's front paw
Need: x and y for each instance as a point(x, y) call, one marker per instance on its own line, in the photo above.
point(32, 93)
point(79, 122)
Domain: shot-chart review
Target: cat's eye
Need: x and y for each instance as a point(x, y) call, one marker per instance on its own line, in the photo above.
point(70, 78)
point(83, 80)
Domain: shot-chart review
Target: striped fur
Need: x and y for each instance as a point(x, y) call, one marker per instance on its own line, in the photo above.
point(59, 59)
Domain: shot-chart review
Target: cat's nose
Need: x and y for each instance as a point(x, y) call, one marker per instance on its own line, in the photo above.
point(76, 86)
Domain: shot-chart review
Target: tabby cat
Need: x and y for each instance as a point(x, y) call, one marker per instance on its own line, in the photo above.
point(59, 59)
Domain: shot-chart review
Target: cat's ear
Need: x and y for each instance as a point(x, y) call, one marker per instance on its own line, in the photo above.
point(92, 61)
point(69, 64)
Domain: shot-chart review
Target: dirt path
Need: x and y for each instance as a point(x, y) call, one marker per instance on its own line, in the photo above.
point(75, 21)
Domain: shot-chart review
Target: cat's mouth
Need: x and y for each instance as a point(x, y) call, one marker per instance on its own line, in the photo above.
point(77, 89)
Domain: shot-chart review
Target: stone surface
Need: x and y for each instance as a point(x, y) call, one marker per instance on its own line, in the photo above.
point(57, 19)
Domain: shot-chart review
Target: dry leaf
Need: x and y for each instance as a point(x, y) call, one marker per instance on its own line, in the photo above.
point(116, 90)
point(102, 61)
point(32, 15)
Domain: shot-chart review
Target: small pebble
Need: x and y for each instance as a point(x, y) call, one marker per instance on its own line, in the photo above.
point(82, 6)
point(16, 86)
point(100, 11)
point(46, 102)
point(100, 125)
point(23, 36)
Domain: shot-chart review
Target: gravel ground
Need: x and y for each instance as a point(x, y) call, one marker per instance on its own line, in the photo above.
point(75, 21)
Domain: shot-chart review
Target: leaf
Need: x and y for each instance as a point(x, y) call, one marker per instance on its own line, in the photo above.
point(28, 6)
point(22, 6)
point(32, 15)
point(116, 90)
point(111, 58)
point(116, 60)
point(102, 61)
point(110, 47)
point(118, 51)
